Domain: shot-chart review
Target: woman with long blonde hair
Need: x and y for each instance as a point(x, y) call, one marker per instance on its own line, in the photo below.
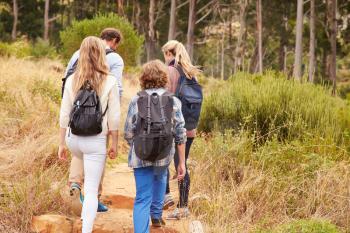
point(91, 75)
point(181, 69)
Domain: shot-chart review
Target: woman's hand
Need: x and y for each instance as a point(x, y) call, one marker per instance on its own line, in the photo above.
point(181, 171)
point(62, 153)
point(113, 151)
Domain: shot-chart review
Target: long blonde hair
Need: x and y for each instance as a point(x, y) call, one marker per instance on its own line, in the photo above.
point(181, 57)
point(92, 65)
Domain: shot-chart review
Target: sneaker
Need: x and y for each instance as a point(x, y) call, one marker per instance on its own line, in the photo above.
point(158, 222)
point(100, 208)
point(179, 213)
point(168, 201)
point(75, 193)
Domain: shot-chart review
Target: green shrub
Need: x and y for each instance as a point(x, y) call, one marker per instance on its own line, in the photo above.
point(270, 105)
point(19, 49)
point(239, 188)
point(129, 48)
point(304, 226)
point(43, 48)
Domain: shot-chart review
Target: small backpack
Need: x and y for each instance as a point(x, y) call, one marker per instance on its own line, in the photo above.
point(190, 94)
point(154, 129)
point(74, 67)
point(86, 116)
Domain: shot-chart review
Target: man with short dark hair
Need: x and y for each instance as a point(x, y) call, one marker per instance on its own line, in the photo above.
point(112, 39)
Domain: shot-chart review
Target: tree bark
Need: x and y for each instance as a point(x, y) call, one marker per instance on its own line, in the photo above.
point(191, 26)
point(332, 8)
point(172, 23)
point(242, 28)
point(312, 59)
point(151, 31)
point(297, 72)
point(222, 73)
point(120, 10)
point(283, 50)
point(15, 20)
point(259, 27)
point(46, 20)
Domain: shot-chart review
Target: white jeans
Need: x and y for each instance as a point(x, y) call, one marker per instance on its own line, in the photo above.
point(93, 150)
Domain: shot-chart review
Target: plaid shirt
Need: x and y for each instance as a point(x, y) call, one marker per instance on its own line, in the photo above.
point(130, 127)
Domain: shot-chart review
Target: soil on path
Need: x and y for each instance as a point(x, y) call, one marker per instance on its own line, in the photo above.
point(118, 194)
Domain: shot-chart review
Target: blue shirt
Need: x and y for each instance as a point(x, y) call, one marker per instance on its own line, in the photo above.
point(130, 127)
point(115, 63)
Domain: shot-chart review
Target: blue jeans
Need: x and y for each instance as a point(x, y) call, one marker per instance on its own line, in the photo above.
point(150, 192)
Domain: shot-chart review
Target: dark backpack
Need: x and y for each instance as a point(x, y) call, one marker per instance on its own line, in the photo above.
point(190, 94)
point(154, 129)
point(74, 67)
point(86, 116)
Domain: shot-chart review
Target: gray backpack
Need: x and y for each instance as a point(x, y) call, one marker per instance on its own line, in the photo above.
point(154, 128)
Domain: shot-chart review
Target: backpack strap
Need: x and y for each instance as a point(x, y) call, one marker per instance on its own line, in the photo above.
point(109, 50)
point(180, 81)
point(104, 113)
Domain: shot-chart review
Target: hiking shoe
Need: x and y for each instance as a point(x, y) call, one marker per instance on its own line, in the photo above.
point(75, 193)
point(100, 208)
point(158, 222)
point(179, 213)
point(168, 201)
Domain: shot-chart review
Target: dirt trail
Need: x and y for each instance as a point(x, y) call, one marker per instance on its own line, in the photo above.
point(118, 194)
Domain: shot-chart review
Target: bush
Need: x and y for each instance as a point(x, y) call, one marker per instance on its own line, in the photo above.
point(305, 226)
point(43, 48)
point(23, 48)
point(270, 105)
point(236, 187)
point(20, 49)
point(129, 48)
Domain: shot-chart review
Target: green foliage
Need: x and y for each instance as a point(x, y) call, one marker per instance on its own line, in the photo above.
point(304, 226)
point(271, 106)
point(43, 48)
point(247, 187)
point(129, 48)
point(23, 48)
point(19, 49)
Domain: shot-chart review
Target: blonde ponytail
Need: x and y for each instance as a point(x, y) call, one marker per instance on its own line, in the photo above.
point(181, 58)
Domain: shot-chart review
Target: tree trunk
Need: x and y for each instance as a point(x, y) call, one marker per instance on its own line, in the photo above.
point(137, 16)
point(120, 10)
point(259, 29)
point(284, 41)
point(242, 28)
point(46, 20)
point(222, 73)
point(297, 72)
point(151, 31)
point(191, 25)
point(332, 8)
point(312, 42)
point(172, 23)
point(15, 20)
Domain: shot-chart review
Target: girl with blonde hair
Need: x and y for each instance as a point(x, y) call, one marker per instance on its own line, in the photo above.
point(92, 76)
point(182, 70)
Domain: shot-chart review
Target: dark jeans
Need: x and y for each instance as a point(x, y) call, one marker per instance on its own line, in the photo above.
point(184, 185)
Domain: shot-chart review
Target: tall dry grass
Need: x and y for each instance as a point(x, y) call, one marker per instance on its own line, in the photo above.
point(248, 188)
point(31, 177)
